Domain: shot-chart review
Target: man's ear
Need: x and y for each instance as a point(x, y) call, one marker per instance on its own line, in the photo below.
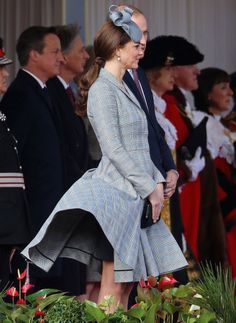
point(65, 58)
point(34, 55)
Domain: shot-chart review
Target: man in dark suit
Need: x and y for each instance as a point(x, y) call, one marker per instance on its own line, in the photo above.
point(74, 137)
point(139, 85)
point(73, 134)
point(33, 121)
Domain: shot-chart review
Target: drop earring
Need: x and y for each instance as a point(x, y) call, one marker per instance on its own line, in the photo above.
point(118, 58)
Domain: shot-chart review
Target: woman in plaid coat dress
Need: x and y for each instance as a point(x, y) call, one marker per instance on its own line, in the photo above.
point(97, 221)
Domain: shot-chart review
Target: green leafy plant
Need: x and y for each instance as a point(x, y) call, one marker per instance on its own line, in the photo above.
point(66, 311)
point(167, 303)
point(209, 300)
point(217, 290)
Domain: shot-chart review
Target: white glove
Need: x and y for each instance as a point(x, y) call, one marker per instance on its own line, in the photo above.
point(196, 164)
point(227, 152)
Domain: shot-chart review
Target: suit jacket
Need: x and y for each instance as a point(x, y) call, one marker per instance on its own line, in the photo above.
point(15, 225)
point(159, 150)
point(73, 134)
point(33, 122)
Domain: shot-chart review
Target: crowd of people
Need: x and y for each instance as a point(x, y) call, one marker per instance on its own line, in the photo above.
point(166, 133)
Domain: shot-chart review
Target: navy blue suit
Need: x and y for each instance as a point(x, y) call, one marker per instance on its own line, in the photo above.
point(76, 159)
point(159, 150)
point(34, 124)
point(75, 162)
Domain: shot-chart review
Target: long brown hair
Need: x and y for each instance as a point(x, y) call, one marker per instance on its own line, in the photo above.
point(108, 38)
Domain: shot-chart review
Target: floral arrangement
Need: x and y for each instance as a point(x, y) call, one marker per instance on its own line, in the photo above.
point(211, 299)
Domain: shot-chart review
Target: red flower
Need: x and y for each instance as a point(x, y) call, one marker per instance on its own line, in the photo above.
point(26, 287)
point(142, 283)
point(21, 275)
point(135, 305)
point(39, 313)
point(166, 282)
point(21, 301)
point(152, 281)
point(12, 292)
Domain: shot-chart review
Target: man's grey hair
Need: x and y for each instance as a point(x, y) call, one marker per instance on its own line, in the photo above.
point(67, 35)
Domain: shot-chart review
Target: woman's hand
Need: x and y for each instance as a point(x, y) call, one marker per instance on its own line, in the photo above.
point(170, 185)
point(156, 198)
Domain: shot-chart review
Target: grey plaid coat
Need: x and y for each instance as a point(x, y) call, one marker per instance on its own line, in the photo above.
point(113, 193)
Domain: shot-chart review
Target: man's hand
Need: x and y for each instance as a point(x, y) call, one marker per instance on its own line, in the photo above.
point(171, 181)
point(156, 198)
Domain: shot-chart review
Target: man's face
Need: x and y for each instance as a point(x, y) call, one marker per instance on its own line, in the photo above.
point(141, 21)
point(3, 79)
point(48, 62)
point(186, 77)
point(76, 58)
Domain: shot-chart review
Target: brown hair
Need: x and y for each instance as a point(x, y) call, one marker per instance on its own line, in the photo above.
point(108, 38)
point(153, 73)
point(32, 38)
point(206, 80)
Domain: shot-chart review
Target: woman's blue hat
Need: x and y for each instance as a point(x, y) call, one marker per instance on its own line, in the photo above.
point(122, 18)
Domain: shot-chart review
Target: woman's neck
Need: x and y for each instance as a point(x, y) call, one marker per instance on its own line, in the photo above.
point(157, 90)
point(214, 111)
point(114, 67)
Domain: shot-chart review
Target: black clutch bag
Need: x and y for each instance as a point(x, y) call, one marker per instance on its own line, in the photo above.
point(197, 138)
point(146, 218)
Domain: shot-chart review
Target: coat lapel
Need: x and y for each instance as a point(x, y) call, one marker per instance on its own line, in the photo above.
point(135, 92)
point(25, 77)
point(121, 85)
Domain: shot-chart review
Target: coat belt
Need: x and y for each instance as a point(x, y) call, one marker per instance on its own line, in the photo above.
point(12, 180)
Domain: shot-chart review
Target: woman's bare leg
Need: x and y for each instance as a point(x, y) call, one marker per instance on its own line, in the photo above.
point(109, 287)
point(125, 296)
point(92, 291)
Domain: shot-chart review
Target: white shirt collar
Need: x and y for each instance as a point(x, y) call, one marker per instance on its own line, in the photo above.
point(42, 85)
point(159, 103)
point(66, 85)
point(130, 72)
point(217, 117)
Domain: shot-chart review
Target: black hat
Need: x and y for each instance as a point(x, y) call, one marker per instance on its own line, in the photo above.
point(170, 51)
point(185, 52)
point(158, 53)
point(3, 59)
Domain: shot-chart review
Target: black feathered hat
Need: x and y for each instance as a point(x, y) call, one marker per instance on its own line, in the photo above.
point(170, 51)
point(186, 53)
point(158, 53)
